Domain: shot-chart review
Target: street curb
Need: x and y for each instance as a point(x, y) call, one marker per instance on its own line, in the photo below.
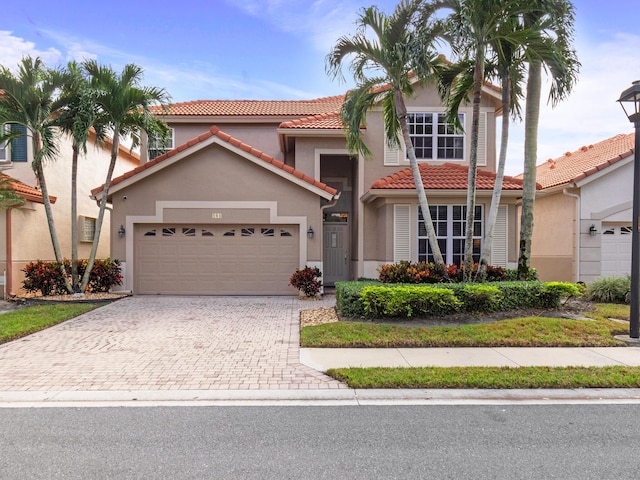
point(148, 398)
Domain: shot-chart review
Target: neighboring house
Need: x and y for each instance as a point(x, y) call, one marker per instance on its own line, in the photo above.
point(255, 189)
point(583, 214)
point(24, 232)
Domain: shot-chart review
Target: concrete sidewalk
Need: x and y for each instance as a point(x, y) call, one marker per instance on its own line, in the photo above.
point(324, 358)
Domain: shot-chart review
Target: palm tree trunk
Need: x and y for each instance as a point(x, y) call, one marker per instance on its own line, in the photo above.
point(37, 166)
point(74, 219)
point(103, 207)
point(478, 78)
point(401, 111)
point(497, 187)
point(531, 119)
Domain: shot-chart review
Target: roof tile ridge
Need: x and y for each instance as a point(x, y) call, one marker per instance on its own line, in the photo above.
point(309, 119)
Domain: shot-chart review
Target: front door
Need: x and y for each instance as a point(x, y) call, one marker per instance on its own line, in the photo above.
point(336, 253)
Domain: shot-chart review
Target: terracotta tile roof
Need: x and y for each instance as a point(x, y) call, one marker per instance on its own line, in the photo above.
point(587, 160)
point(25, 191)
point(215, 131)
point(447, 176)
point(297, 108)
point(324, 121)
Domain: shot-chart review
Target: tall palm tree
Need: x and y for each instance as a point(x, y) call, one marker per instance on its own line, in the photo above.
point(124, 111)
point(31, 99)
point(76, 118)
point(553, 19)
point(483, 34)
point(385, 68)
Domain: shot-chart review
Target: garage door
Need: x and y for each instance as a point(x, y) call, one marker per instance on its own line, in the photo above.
point(616, 251)
point(215, 259)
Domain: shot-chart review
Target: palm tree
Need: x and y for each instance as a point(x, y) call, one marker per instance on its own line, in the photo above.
point(554, 21)
point(124, 111)
point(385, 69)
point(31, 99)
point(485, 34)
point(76, 118)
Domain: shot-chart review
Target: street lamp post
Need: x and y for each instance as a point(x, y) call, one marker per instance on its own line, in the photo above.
point(631, 98)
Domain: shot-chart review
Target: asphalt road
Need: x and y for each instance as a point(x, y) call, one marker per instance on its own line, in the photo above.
point(385, 442)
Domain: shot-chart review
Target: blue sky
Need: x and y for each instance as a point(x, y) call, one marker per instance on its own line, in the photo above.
point(275, 49)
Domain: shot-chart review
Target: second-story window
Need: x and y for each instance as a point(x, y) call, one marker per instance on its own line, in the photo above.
point(158, 146)
point(434, 138)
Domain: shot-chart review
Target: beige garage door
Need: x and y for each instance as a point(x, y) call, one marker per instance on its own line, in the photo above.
point(215, 259)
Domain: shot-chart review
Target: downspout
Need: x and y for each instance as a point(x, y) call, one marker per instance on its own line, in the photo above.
point(8, 288)
point(577, 197)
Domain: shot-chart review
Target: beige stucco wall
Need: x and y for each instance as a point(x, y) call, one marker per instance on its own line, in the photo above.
point(215, 174)
point(554, 237)
point(30, 233)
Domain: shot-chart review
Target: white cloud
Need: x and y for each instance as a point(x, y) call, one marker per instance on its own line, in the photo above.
point(591, 113)
point(13, 49)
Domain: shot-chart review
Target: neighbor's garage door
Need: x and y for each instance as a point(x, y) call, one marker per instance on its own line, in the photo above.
point(215, 260)
point(616, 251)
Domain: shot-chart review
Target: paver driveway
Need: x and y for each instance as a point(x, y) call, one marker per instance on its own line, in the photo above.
point(168, 343)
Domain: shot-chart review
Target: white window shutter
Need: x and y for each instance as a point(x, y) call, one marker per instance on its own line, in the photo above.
point(401, 232)
point(499, 245)
point(482, 139)
point(391, 154)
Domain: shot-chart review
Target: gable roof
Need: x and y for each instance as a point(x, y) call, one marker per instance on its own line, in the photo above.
point(448, 176)
point(586, 161)
point(215, 135)
point(297, 108)
point(25, 191)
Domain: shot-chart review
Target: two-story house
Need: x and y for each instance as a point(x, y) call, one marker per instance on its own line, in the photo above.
point(24, 232)
point(248, 191)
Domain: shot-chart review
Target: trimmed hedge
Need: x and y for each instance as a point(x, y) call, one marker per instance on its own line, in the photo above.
point(369, 298)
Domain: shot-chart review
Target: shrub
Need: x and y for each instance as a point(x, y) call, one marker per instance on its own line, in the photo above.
point(43, 277)
point(423, 272)
point(499, 296)
point(306, 280)
point(408, 301)
point(481, 298)
point(47, 278)
point(610, 290)
point(348, 302)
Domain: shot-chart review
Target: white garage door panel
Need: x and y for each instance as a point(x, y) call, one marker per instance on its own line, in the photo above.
point(616, 251)
point(189, 260)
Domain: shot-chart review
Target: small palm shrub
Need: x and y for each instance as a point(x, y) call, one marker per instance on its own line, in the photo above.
point(307, 280)
point(610, 290)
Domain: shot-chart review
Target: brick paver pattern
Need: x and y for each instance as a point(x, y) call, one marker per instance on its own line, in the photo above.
point(168, 343)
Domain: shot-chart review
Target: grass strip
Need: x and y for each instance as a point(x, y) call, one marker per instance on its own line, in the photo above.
point(27, 320)
point(489, 377)
point(519, 332)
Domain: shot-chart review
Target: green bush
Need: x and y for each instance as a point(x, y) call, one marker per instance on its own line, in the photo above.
point(472, 297)
point(348, 303)
point(610, 290)
point(481, 298)
point(47, 277)
point(408, 301)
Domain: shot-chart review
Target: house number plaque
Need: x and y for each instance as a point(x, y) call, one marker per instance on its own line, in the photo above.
point(216, 215)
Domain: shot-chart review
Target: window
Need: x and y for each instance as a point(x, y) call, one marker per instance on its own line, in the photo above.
point(434, 138)
point(158, 146)
point(449, 222)
point(17, 151)
point(87, 229)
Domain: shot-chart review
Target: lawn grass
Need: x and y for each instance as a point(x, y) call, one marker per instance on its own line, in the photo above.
point(21, 322)
point(489, 377)
point(517, 332)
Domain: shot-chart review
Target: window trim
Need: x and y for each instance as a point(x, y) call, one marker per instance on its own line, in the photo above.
point(449, 239)
point(434, 135)
point(169, 145)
